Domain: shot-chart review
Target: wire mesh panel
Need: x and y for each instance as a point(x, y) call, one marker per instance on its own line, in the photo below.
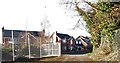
point(44, 50)
point(57, 49)
point(35, 47)
point(27, 45)
point(7, 54)
point(20, 45)
point(51, 49)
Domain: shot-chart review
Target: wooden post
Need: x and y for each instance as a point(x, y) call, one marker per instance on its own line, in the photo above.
point(13, 45)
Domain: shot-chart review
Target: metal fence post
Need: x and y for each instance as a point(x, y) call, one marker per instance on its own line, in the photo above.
point(29, 44)
point(59, 49)
point(13, 45)
point(40, 49)
point(52, 49)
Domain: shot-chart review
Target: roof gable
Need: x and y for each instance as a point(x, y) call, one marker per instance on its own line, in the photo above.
point(63, 36)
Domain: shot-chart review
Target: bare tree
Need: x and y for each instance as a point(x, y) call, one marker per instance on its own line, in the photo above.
point(75, 5)
point(45, 25)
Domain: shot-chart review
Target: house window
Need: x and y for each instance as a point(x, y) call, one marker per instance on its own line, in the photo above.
point(76, 42)
point(64, 41)
point(71, 42)
point(65, 48)
point(79, 42)
point(71, 48)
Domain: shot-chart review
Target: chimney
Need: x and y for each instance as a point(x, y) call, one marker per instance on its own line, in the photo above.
point(44, 31)
point(3, 28)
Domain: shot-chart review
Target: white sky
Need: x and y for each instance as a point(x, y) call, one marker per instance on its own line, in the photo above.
point(14, 13)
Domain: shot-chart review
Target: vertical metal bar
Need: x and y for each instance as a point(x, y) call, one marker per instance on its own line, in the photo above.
point(52, 49)
point(26, 34)
point(59, 49)
point(1, 42)
point(52, 46)
point(40, 49)
point(29, 45)
point(48, 48)
point(13, 45)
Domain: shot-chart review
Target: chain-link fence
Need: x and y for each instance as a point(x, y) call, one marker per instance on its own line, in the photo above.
point(22, 44)
point(27, 45)
point(51, 49)
point(7, 52)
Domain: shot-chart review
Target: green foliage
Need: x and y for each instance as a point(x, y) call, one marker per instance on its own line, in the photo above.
point(33, 50)
point(25, 50)
point(8, 49)
point(102, 24)
point(103, 21)
point(104, 6)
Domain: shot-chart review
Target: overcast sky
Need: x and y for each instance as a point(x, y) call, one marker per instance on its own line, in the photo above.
point(15, 13)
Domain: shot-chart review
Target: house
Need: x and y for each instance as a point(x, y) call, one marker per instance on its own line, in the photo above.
point(71, 45)
point(67, 42)
point(21, 37)
point(61, 36)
